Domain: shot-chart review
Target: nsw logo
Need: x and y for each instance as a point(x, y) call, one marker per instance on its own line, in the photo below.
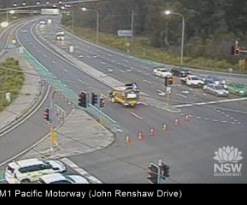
point(228, 158)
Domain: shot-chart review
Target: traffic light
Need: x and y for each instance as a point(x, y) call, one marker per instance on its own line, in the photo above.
point(153, 173)
point(47, 114)
point(82, 99)
point(170, 80)
point(165, 170)
point(102, 102)
point(94, 99)
point(166, 81)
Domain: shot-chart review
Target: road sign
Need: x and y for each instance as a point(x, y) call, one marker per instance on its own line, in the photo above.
point(125, 33)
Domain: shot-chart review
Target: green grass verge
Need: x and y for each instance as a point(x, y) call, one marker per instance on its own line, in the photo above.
point(10, 81)
point(141, 48)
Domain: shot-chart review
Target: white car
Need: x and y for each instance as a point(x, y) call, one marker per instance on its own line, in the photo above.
point(162, 72)
point(192, 80)
point(30, 170)
point(42, 22)
point(58, 178)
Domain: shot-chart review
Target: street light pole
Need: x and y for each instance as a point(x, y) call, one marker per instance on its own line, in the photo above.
point(97, 22)
point(183, 28)
point(132, 24)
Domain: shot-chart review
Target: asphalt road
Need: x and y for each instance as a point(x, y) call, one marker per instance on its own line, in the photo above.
point(188, 148)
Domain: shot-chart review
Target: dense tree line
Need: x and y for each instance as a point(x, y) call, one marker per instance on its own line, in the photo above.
point(211, 27)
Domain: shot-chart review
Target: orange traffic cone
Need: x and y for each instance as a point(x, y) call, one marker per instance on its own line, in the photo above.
point(164, 127)
point(140, 136)
point(176, 121)
point(151, 131)
point(127, 140)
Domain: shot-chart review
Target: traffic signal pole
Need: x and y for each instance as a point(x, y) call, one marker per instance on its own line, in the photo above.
point(52, 116)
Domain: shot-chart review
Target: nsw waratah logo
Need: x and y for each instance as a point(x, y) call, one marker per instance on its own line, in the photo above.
point(228, 157)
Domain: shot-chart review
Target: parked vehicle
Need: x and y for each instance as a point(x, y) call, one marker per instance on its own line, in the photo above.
point(30, 170)
point(217, 90)
point(181, 72)
point(58, 178)
point(237, 89)
point(162, 72)
point(192, 80)
point(214, 80)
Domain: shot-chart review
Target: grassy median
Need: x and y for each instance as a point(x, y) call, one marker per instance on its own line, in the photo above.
point(11, 81)
point(141, 48)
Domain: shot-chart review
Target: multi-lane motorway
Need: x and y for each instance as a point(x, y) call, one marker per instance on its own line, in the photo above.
point(188, 147)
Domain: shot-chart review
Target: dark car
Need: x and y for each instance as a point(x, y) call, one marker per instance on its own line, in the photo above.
point(214, 80)
point(181, 72)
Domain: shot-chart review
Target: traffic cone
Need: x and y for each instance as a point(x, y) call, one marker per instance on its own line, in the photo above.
point(140, 136)
point(127, 139)
point(176, 121)
point(164, 127)
point(151, 131)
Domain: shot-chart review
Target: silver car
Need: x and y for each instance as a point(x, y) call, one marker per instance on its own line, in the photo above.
point(217, 90)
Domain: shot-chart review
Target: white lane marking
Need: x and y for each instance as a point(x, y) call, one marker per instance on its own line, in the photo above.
point(119, 63)
point(147, 74)
point(233, 123)
point(80, 56)
point(206, 118)
point(178, 85)
point(126, 61)
point(80, 81)
point(53, 62)
point(198, 117)
point(135, 115)
point(181, 95)
point(216, 120)
point(122, 71)
point(146, 68)
point(112, 61)
point(147, 81)
point(204, 94)
point(109, 55)
point(212, 102)
point(185, 92)
point(103, 95)
point(65, 70)
point(235, 120)
point(129, 70)
point(45, 56)
point(227, 115)
point(81, 171)
point(144, 103)
point(103, 62)
point(224, 121)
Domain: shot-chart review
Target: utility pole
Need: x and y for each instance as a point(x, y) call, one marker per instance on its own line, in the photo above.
point(132, 24)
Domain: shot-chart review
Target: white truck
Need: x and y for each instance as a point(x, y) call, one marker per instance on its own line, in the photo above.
point(192, 80)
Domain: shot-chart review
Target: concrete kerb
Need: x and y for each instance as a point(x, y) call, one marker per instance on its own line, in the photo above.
point(34, 103)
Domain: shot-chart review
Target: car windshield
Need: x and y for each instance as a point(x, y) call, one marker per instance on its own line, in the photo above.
point(195, 78)
point(163, 70)
point(218, 88)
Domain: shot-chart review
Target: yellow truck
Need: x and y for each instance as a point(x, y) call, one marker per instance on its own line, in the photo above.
point(126, 95)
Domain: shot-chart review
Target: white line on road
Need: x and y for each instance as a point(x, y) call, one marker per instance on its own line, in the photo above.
point(112, 61)
point(103, 62)
point(109, 55)
point(126, 61)
point(103, 95)
point(147, 81)
point(45, 56)
point(135, 115)
point(80, 81)
point(181, 95)
point(178, 85)
point(147, 74)
point(233, 123)
point(53, 62)
point(81, 171)
point(122, 71)
point(206, 118)
point(65, 70)
point(224, 121)
point(212, 102)
point(216, 120)
point(198, 117)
